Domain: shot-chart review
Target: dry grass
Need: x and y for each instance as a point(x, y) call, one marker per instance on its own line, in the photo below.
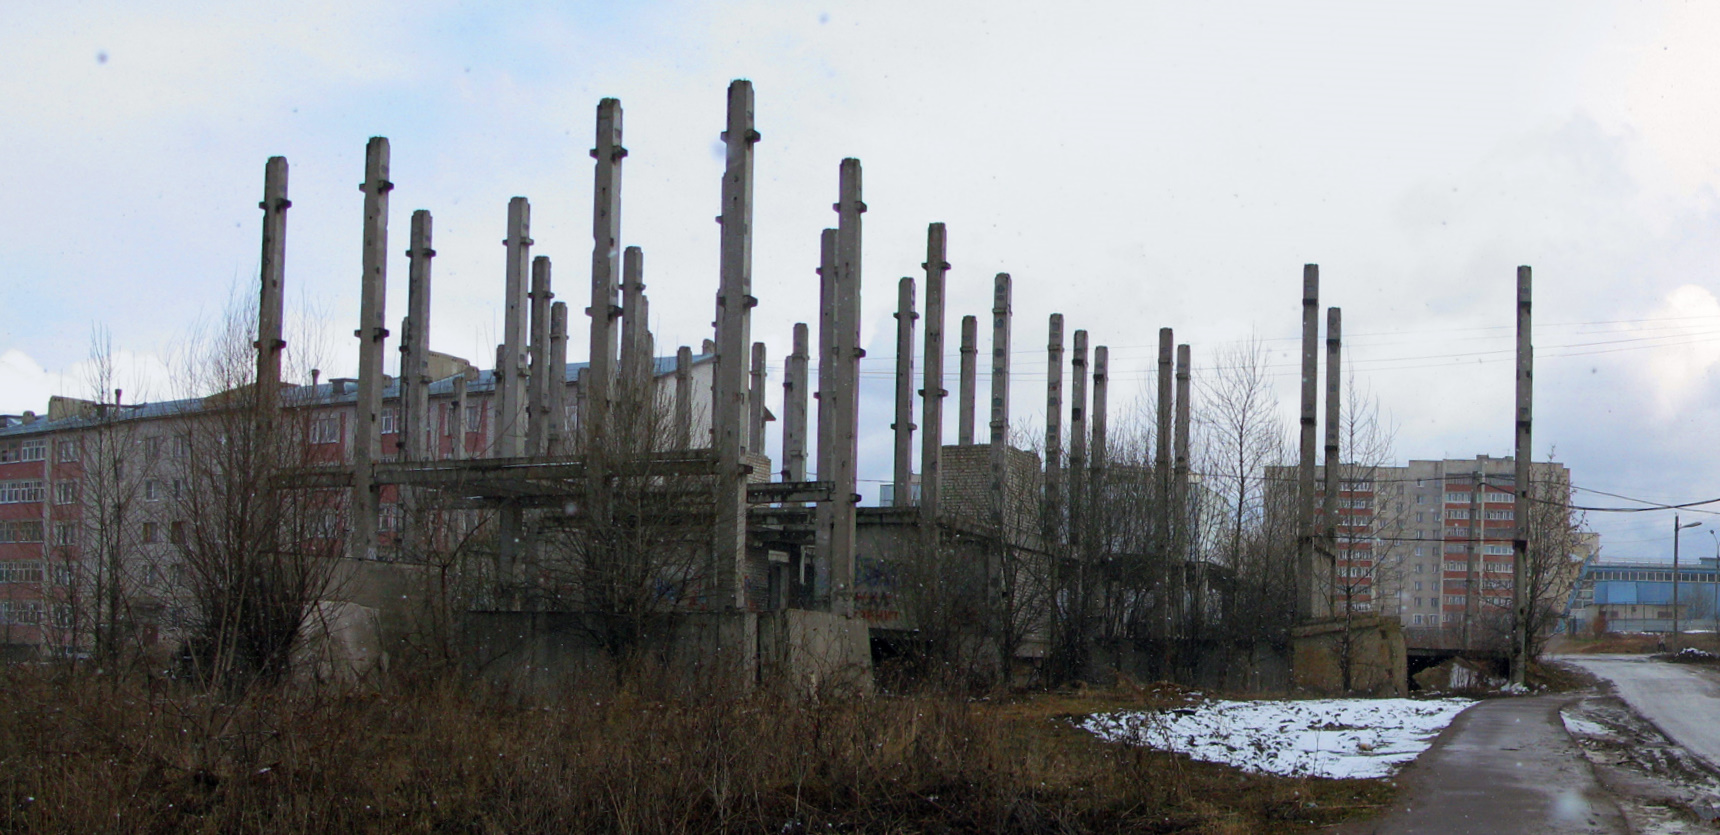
point(83, 754)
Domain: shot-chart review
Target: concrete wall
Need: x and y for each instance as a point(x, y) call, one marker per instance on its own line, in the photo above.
point(1379, 665)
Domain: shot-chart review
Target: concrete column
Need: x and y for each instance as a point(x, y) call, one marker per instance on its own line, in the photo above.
point(1164, 536)
point(1000, 321)
point(969, 383)
point(580, 416)
point(645, 370)
point(794, 408)
point(415, 345)
point(542, 373)
point(828, 360)
point(755, 400)
point(1054, 429)
point(904, 424)
point(1078, 476)
point(511, 370)
point(1308, 603)
point(633, 315)
point(605, 266)
point(1333, 457)
point(845, 405)
point(457, 420)
point(684, 398)
point(1099, 455)
point(555, 379)
point(367, 440)
point(734, 333)
point(1180, 461)
point(932, 390)
point(1524, 457)
point(270, 306)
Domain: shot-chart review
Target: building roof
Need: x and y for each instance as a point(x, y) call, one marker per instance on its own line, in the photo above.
point(322, 394)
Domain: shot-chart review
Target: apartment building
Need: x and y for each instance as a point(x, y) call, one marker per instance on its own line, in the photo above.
point(1431, 542)
point(93, 495)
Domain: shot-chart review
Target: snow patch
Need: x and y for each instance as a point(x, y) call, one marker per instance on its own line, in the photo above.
point(1335, 738)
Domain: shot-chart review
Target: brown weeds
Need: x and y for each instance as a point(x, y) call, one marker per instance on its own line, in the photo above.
point(84, 754)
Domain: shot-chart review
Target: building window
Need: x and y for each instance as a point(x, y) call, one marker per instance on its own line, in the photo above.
point(471, 423)
point(151, 449)
point(389, 424)
point(1500, 498)
point(35, 449)
point(176, 533)
point(182, 446)
point(1497, 515)
point(1420, 499)
point(20, 492)
point(1417, 619)
point(20, 571)
point(179, 488)
point(151, 490)
point(1418, 588)
point(325, 429)
point(23, 531)
point(1457, 498)
point(65, 535)
point(65, 492)
point(21, 612)
point(66, 451)
point(151, 532)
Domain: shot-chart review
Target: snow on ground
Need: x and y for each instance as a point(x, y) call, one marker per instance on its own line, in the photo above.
point(1337, 738)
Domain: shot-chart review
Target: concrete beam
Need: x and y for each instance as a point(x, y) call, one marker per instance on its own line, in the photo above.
point(794, 408)
point(903, 426)
point(969, 384)
point(734, 333)
point(932, 390)
point(511, 370)
point(605, 267)
point(271, 297)
point(372, 332)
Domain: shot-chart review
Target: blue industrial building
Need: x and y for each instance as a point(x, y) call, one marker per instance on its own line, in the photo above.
point(1624, 595)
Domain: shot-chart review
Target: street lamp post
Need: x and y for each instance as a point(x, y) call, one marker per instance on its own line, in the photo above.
point(1676, 527)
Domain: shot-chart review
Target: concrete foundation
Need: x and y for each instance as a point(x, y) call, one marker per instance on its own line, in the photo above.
point(1372, 646)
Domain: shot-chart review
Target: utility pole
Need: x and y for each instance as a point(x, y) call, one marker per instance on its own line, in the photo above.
point(1676, 527)
point(1520, 596)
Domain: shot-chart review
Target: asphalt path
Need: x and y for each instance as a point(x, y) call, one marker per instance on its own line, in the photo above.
point(1503, 766)
point(1682, 700)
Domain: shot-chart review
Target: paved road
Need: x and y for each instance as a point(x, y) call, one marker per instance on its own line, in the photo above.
point(1505, 765)
point(1682, 700)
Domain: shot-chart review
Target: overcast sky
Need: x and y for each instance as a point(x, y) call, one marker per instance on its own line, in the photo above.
point(1133, 166)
